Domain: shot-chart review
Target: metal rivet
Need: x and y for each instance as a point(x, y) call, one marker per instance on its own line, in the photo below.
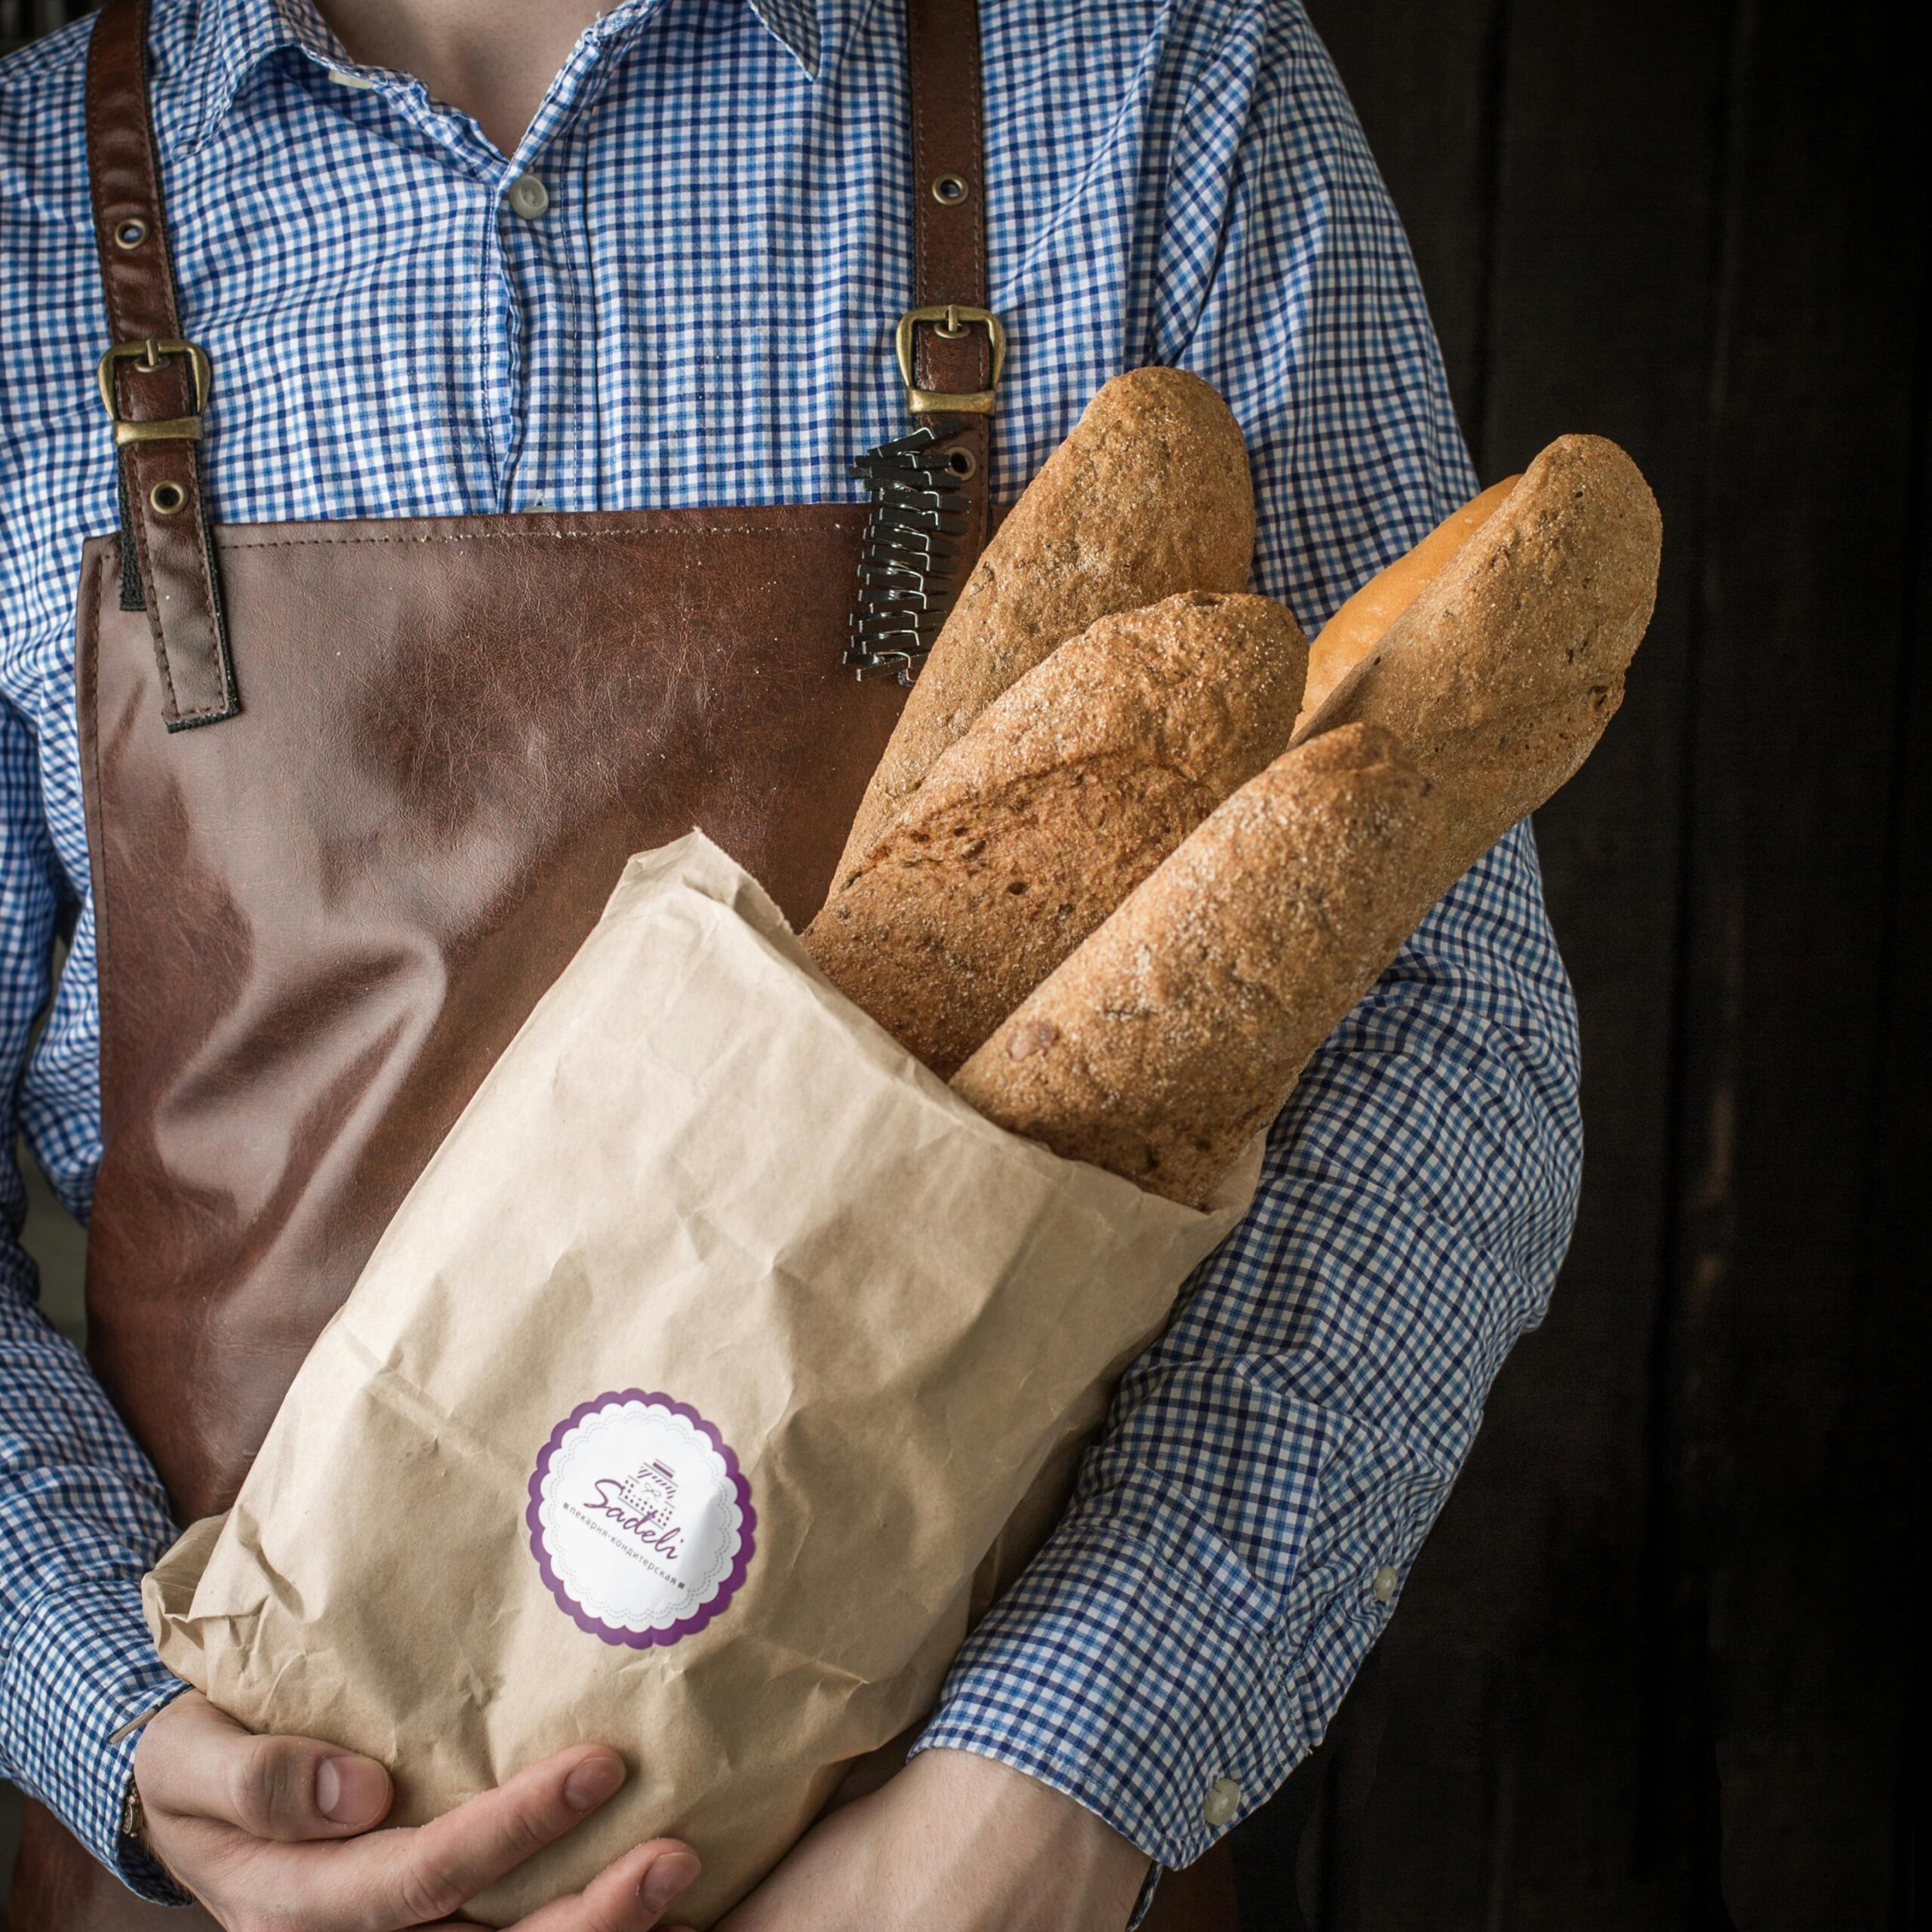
point(168, 499)
point(1223, 1801)
point(528, 196)
point(1385, 1580)
point(129, 234)
point(950, 190)
point(963, 464)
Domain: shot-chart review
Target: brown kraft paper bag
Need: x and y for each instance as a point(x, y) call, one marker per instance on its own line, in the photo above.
point(697, 1376)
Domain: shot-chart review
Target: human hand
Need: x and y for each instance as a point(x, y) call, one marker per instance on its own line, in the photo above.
point(954, 1843)
point(275, 1835)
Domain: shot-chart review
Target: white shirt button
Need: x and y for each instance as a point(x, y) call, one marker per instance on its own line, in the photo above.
point(1223, 1801)
point(1385, 1580)
point(528, 196)
point(344, 79)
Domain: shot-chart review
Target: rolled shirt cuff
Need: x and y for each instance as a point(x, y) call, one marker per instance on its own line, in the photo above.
point(79, 1670)
point(1131, 1669)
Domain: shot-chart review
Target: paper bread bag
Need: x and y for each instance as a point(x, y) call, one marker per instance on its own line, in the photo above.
point(702, 1368)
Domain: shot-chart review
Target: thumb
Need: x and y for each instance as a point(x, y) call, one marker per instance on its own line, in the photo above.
point(196, 1762)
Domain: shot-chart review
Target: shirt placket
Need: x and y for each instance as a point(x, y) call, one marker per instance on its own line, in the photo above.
point(548, 425)
point(534, 387)
point(551, 432)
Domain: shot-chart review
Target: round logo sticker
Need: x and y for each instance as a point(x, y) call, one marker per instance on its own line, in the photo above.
point(639, 1518)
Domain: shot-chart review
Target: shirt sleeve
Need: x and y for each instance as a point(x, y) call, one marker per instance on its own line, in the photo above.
point(82, 1514)
point(1238, 1538)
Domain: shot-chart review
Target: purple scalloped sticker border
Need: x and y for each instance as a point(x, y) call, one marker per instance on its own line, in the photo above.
point(595, 1626)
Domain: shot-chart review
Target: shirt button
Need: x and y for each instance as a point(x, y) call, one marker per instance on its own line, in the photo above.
point(1223, 1801)
point(528, 196)
point(1385, 1584)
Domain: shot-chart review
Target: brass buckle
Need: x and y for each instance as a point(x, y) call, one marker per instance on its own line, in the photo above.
point(952, 318)
point(172, 428)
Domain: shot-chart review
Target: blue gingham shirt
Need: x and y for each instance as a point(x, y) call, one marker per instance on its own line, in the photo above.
point(703, 315)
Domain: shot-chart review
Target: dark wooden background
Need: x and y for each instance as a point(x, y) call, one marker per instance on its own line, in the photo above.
point(1653, 1672)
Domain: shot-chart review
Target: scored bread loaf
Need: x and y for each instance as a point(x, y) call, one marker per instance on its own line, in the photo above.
point(1149, 496)
point(1499, 679)
point(1066, 792)
point(1174, 1034)
point(1348, 636)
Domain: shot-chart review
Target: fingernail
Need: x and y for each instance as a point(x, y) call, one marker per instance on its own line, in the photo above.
point(592, 1781)
point(666, 1879)
point(350, 1791)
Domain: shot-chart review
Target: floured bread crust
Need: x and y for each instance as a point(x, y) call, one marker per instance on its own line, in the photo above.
point(1150, 496)
point(1066, 792)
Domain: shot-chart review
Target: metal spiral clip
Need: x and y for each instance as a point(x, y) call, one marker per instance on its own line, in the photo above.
point(909, 557)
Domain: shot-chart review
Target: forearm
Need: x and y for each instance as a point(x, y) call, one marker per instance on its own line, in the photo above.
point(82, 1517)
point(81, 1514)
point(1195, 1621)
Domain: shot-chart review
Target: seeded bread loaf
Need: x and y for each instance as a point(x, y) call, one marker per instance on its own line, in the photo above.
point(1352, 632)
point(1499, 679)
point(1174, 1035)
point(1150, 496)
point(1065, 793)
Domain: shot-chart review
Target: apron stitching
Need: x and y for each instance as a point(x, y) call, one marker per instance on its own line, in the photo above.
point(90, 698)
point(153, 589)
point(539, 536)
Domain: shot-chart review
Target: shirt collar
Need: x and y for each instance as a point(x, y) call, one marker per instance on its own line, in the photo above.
point(797, 23)
point(232, 38)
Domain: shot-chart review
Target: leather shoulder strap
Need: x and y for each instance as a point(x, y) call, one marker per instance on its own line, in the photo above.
point(949, 225)
point(155, 384)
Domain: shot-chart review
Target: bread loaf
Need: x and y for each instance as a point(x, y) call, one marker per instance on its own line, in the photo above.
point(1150, 496)
point(1174, 1034)
point(1348, 636)
point(1499, 679)
point(1066, 792)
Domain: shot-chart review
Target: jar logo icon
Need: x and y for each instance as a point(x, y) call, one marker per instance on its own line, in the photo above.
point(652, 1493)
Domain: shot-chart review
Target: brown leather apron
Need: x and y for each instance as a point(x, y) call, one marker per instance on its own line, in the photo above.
point(356, 790)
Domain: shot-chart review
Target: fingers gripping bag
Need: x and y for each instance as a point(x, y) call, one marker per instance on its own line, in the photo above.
point(698, 1375)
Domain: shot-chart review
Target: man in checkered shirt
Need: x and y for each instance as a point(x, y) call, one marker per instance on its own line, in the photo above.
point(703, 315)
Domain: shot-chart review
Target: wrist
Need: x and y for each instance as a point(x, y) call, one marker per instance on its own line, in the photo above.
point(141, 1868)
point(1054, 1838)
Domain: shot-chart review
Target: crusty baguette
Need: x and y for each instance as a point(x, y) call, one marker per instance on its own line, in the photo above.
point(1148, 496)
point(1348, 636)
point(1160, 1045)
point(1067, 790)
point(1499, 679)
point(1174, 1035)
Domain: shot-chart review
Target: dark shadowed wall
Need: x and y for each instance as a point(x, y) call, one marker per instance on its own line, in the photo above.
point(1652, 1668)
point(1653, 1672)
